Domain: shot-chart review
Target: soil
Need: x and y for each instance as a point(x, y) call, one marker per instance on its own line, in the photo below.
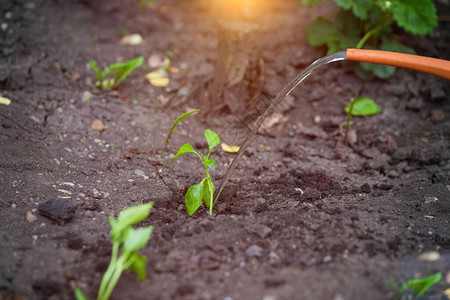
point(304, 216)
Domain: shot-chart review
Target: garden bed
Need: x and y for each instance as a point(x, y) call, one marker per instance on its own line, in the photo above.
point(304, 216)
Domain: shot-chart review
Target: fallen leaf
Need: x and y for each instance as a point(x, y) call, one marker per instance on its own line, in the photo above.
point(447, 293)
point(430, 256)
point(4, 101)
point(98, 125)
point(174, 70)
point(229, 149)
point(30, 217)
point(132, 39)
point(157, 79)
point(274, 124)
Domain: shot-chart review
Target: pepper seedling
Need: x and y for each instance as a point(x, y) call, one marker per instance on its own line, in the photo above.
point(122, 70)
point(419, 286)
point(126, 242)
point(204, 191)
point(359, 106)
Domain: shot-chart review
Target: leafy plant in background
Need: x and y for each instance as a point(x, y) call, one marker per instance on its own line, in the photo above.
point(368, 24)
point(122, 70)
point(126, 242)
point(419, 286)
point(204, 191)
point(144, 3)
point(177, 122)
point(359, 106)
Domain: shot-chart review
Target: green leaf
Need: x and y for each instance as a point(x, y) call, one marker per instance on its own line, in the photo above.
point(80, 295)
point(320, 31)
point(208, 191)
point(124, 69)
point(416, 16)
point(311, 3)
point(94, 67)
point(128, 217)
point(210, 163)
point(193, 197)
point(420, 286)
point(135, 239)
point(138, 266)
point(363, 106)
point(360, 8)
point(212, 138)
point(186, 148)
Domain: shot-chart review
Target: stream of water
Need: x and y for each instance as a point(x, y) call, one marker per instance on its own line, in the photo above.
point(338, 56)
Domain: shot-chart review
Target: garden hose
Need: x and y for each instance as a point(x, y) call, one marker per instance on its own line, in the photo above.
point(433, 66)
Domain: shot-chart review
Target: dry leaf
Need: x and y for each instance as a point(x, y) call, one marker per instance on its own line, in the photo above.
point(274, 124)
point(4, 101)
point(174, 70)
point(229, 149)
point(98, 125)
point(132, 39)
point(157, 79)
point(30, 217)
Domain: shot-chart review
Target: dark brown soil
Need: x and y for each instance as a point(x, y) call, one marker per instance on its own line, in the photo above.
point(304, 215)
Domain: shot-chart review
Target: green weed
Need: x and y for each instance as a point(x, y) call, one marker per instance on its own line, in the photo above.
point(126, 242)
point(359, 106)
point(204, 191)
point(419, 286)
point(122, 70)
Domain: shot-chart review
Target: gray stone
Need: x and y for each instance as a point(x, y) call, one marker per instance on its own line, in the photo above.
point(254, 251)
point(59, 210)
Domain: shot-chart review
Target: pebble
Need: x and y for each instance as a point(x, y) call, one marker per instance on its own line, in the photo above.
point(260, 230)
point(393, 174)
point(88, 214)
point(430, 199)
point(254, 251)
point(13, 205)
point(97, 194)
point(85, 96)
point(139, 172)
point(327, 258)
point(430, 256)
point(30, 217)
point(59, 210)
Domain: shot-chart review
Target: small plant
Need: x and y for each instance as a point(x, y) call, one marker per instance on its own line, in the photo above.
point(126, 242)
point(122, 70)
point(359, 106)
point(177, 122)
point(144, 3)
point(368, 23)
point(419, 286)
point(204, 191)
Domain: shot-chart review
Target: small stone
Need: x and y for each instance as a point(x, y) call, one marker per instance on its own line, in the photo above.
point(327, 258)
point(59, 210)
point(106, 195)
point(13, 205)
point(260, 230)
point(437, 115)
point(430, 256)
point(184, 91)
point(139, 172)
point(254, 251)
point(85, 96)
point(88, 214)
point(30, 217)
point(427, 200)
point(96, 194)
point(393, 174)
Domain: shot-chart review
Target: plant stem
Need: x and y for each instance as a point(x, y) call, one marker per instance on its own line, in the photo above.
point(115, 277)
point(367, 36)
point(110, 271)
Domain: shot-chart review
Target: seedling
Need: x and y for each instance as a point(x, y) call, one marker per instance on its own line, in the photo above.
point(122, 70)
point(360, 106)
point(369, 23)
point(419, 286)
point(177, 122)
point(204, 191)
point(126, 242)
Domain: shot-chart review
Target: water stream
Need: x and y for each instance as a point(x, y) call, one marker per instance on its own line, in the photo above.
point(338, 56)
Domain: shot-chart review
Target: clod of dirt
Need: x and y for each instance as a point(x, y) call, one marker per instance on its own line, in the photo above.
point(59, 210)
point(98, 125)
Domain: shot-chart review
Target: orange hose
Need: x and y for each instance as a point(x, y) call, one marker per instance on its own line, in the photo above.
point(433, 66)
